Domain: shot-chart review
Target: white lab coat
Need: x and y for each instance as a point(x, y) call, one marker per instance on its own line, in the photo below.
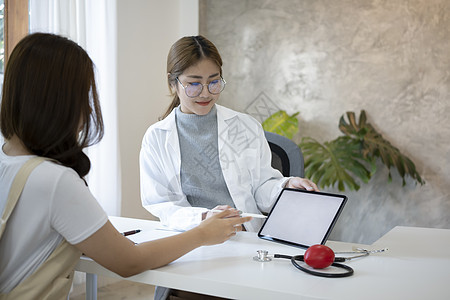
point(245, 159)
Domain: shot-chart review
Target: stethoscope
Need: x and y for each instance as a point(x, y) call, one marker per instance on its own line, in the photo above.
point(339, 270)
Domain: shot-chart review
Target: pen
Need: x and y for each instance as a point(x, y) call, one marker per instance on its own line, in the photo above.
point(242, 214)
point(126, 233)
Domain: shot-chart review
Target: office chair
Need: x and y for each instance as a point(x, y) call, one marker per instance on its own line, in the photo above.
point(286, 155)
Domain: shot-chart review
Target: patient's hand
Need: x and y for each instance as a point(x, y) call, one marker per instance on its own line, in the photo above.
point(220, 227)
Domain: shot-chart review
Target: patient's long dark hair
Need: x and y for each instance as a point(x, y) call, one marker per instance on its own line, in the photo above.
point(50, 100)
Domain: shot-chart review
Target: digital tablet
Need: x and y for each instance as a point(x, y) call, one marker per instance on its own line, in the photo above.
point(302, 218)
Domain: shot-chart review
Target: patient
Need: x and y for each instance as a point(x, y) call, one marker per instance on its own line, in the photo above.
point(50, 109)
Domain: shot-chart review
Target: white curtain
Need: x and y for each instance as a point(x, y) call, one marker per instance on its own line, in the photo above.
point(92, 24)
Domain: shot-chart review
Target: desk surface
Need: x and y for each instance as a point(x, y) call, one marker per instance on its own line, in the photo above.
point(417, 266)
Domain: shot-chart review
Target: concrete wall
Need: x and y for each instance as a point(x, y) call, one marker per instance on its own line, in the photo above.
point(323, 58)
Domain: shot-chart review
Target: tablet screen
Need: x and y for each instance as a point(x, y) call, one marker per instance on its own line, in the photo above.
point(301, 218)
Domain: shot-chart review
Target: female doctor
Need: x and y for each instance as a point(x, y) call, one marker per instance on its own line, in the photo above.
point(201, 155)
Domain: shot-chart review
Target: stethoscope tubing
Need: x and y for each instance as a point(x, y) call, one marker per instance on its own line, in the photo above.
point(294, 259)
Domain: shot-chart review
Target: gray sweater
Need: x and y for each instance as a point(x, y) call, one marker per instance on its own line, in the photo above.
point(202, 180)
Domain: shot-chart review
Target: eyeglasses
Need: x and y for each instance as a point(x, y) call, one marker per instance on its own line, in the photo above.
point(194, 89)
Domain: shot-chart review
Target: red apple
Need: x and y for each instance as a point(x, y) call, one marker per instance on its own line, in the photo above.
point(319, 256)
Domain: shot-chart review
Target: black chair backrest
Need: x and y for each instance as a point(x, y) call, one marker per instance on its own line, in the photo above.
point(286, 155)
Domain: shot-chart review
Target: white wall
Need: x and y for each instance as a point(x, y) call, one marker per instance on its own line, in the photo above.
point(146, 30)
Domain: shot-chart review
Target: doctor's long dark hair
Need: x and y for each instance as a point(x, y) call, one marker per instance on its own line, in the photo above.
point(50, 100)
point(186, 52)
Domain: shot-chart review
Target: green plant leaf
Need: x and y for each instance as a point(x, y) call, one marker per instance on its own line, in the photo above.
point(373, 146)
point(349, 159)
point(335, 163)
point(282, 124)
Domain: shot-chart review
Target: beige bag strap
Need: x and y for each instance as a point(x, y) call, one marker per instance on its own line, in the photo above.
point(17, 187)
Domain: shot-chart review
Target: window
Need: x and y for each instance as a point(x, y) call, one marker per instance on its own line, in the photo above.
point(15, 24)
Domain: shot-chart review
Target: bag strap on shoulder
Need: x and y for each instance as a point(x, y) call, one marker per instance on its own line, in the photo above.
point(17, 187)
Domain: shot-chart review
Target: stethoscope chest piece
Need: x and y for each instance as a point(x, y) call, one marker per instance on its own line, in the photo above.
point(262, 256)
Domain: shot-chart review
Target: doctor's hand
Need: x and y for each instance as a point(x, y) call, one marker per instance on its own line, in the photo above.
point(220, 227)
point(212, 212)
point(301, 183)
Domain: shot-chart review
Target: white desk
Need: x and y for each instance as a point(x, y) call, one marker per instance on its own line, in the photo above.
point(417, 266)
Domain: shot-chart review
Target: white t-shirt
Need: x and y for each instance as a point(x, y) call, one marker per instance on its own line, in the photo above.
point(55, 204)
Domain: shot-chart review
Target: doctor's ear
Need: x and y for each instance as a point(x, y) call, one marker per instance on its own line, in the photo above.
point(172, 83)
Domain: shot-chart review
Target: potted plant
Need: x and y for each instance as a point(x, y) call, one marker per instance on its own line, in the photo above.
point(349, 159)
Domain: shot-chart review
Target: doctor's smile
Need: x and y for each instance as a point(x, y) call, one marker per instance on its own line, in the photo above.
point(203, 103)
